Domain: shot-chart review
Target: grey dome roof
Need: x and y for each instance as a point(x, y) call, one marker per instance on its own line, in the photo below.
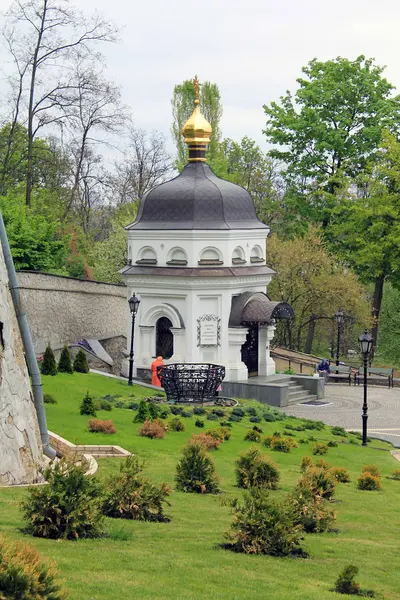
point(197, 199)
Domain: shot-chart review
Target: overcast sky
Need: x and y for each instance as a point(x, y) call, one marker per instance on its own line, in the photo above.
point(253, 49)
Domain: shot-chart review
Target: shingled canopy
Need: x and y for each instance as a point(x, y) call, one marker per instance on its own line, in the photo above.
point(257, 308)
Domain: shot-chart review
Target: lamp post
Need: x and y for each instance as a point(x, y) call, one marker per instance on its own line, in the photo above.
point(339, 316)
point(366, 342)
point(133, 307)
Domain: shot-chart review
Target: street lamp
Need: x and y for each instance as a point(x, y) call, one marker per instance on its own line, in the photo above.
point(366, 342)
point(133, 307)
point(339, 316)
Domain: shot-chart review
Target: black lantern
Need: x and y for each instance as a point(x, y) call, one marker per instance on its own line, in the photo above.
point(366, 342)
point(133, 302)
point(339, 316)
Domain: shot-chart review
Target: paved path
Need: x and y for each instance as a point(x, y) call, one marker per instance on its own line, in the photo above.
point(345, 408)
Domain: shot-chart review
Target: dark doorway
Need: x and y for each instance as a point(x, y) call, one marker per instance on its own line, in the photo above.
point(164, 338)
point(250, 351)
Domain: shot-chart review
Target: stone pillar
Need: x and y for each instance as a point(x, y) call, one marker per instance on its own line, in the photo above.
point(266, 365)
point(236, 370)
point(179, 345)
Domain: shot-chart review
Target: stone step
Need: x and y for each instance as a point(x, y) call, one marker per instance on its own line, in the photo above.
point(297, 393)
point(306, 397)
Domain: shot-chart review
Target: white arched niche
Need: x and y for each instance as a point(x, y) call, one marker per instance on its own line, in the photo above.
point(210, 256)
point(146, 256)
point(177, 256)
point(256, 255)
point(238, 256)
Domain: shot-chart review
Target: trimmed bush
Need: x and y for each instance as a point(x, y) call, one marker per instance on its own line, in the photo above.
point(269, 417)
point(254, 469)
point(164, 413)
point(252, 436)
point(235, 418)
point(238, 411)
point(282, 444)
point(212, 417)
point(306, 463)
point(195, 472)
point(340, 474)
point(87, 406)
point(396, 474)
point(152, 430)
point(255, 419)
point(187, 414)
point(103, 405)
point(49, 399)
point(176, 410)
point(333, 444)
point(207, 441)
point(372, 469)
point(24, 575)
point(65, 363)
point(98, 426)
point(176, 425)
point(130, 495)
point(81, 364)
point(142, 414)
point(219, 412)
point(369, 482)
point(261, 526)
point(317, 425)
point(199, 410)
point(319, 449)
point(199, 423)
point(251, 411)
point(339, 431)
point(49, 365)
point(68, 507)
point(319, 482)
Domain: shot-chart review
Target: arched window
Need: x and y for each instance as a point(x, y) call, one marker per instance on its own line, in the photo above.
point(164, 338)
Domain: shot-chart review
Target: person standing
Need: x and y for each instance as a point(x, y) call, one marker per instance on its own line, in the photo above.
point(154, 375)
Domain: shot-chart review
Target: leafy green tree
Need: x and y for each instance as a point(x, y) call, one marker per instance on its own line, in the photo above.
point(65, 364)
point(365, 229)
point(182, 107)
point(81, 362)
point(331, 125)
point(49, 365)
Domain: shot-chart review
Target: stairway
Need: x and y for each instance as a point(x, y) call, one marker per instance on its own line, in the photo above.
point(297, 394)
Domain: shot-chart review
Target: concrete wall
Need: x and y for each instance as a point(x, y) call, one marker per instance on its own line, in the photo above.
point(62, 310)
point(20, 445)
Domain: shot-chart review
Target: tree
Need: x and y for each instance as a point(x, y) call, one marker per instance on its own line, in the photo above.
point(365, 229)
point(331, 125)
point(65, 364)
point(182, 107)
point(44, 33)
point(81, 362)
point(87, 406)
point(315, 284)
point(49, 366)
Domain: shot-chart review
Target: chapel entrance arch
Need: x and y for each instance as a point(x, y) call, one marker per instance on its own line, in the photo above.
point(164, 338)
point(250, 351)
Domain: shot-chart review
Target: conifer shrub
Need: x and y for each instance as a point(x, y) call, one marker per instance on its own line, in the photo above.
point(345, 583)
point(262, 526)
point(142, 414)
point(320, 482)
point(199, 410)
point(319, 449)
point(81, 364)
point(24, 575)
point(212, 417)
point(152, 430)
point(226, 424)
point(234, 418)
point(49, 365)
point(339, 431)
point(251, 411)
point(238, 411)
point(372, 469)
point(101, 404)
point(306, 463)
point(49, 399)
point(322, 464)
point(282, 444)
point(87, 406)
point(316, 425)
point(269, 417)
point(195, 472)
point(176, 410)
point(164, 413)
point(65, 364)
point(69, 507)
point(396, 474)
point(254, 469)
point(131, 495)
point(340, 474)
point(99, 426)
point(176, 425)
point(309, 510)
point(252, 436)
point(332, 444)
point(255, 419)
point(267, 441)
point(187, 414)
point(153, 410)
point(199, 423)
point(207, 441)
point(369, 482)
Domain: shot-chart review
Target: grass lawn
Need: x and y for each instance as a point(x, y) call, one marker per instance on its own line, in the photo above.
point(181, 559)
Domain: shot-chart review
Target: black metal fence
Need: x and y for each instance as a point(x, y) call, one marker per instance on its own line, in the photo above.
point(191, 382)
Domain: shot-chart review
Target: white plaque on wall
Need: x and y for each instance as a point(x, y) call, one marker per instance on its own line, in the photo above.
point(208, 330)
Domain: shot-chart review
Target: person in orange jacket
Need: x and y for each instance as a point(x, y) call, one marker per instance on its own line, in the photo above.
point(154, 377)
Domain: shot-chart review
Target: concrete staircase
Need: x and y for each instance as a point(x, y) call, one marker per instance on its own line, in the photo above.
point(298, 394)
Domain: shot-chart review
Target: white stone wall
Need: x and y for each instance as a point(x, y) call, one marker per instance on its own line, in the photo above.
point(62, 310)
point(20, 445)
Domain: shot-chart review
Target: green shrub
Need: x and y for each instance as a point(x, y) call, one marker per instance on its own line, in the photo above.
point(187, 414)
point(199, 410)
point(195, 472)
point(226, 424)
point(309, 510)
point(68, 507)
point(251, 411)
point(238, 411)
point(152, 410)
point(267, 441)
point(261, 526)
point(49, 365)
point(320, 482)
point(225, 432)
point(369, 482)
point(176, 425)
point(24, 575)
point(282, 444)
point(333, 444)
point(269, 417)
point(81, 364)
point(130, 495)
point(372, 469)
point(103, 405)
point(235, 418)
point(396, 474)
point(255, 419)
point(219, 412)
point(312, 438)
point(65, 364)
point(345, 583)
point(254, 469)
point(176, 410)
point(319, 449)
point(316, 425)
point(49, 399)
point(339, 431)
point(306, 463)
point(87, 406)
point(159, 394)
point(252, 436)
point(340, 474)
point(142, 414)
point(199, 423)
point(212, 417)
point(164, 413)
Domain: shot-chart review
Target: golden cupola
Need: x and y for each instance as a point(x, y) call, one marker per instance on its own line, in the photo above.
point(197, 130)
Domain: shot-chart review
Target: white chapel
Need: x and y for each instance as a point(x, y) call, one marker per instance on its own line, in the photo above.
point(196, 259)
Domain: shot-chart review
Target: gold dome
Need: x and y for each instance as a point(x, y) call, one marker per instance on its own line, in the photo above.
point(197, 130)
